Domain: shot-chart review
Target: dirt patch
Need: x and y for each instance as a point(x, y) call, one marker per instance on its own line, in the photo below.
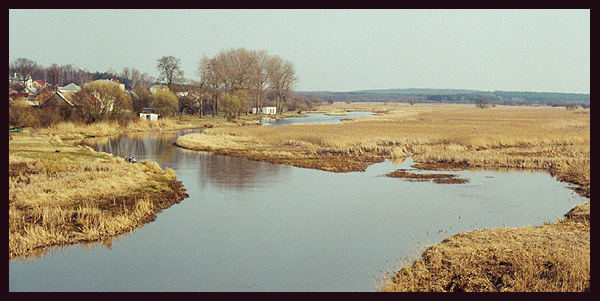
point(419, 177)
point(332, 163)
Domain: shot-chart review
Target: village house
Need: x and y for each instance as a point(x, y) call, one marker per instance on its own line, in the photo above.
point(110, 81)
point(158, 87)
point(70, 88)
point(266, 110)
point(39, 84)
point(15, 79)
point(61, 99)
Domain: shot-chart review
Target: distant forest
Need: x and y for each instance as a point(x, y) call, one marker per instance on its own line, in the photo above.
point(453, 96)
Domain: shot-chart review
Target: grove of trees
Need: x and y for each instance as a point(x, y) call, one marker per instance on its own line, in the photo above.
point(231, 83)
point(242, 78)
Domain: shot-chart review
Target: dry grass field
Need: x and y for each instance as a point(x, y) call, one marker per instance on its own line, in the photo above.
point(62, 194)
point(544, 138)
point(68, 130)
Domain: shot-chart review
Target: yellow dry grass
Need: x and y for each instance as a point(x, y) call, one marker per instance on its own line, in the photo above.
point(549, 258)
point(546, 138)
point(63, 194)
point(72, 130)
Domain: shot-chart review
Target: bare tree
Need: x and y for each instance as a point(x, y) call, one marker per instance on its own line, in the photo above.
point(55, 75)
point(147, 80)
point(482, 103)
point(210, 80)
point(260, 77)
point(135, 76)
point(126, 73)
point(282, 77)
point(23, 69)
point(169, 68)
point(411, 99)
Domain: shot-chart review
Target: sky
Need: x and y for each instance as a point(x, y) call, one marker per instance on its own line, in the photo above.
point(332, 50)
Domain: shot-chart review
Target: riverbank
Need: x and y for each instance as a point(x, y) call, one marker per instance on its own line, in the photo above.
point(75, 131)
point(550, 257)
point(457, 136)
point(63, 194)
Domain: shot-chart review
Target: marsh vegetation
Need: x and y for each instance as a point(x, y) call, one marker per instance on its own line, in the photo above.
point(541, 138)
point(551, 257)
point(63, 194)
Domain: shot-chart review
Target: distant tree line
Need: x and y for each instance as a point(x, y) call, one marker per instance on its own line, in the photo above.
point(455, 96)
point(61, 75)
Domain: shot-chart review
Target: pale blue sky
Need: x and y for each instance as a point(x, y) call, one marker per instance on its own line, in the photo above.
point(332, 50)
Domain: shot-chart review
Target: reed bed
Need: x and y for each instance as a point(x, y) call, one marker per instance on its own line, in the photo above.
point(69, 130)
point(544, 138)
point(63, 194)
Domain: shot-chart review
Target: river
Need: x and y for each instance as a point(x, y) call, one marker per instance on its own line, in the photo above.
point(314, 118)
point(256, 226)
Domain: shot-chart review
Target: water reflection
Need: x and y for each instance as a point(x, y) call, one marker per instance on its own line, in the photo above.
point(222, 171)
point(256, 226)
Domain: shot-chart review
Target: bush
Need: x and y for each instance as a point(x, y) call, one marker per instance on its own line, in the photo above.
point(48, 117)
point(165, 103)
point(21, 115)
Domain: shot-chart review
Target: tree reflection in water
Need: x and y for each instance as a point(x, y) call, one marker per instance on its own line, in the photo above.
point(200, 168)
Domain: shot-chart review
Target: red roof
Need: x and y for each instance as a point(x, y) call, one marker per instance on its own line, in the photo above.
point(41, 82)
point(116, 81)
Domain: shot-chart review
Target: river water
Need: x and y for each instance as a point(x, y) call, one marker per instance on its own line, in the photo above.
point(256, 226)
point(314, 118)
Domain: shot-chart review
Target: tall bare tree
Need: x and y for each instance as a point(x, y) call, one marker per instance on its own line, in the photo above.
point(169, 68)
point(282, 77)
point(210, 80)
point(259, 77)
point(55, 75)
point(23, 69)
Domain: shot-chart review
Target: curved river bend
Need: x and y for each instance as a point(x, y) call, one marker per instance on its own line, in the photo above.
point(255, 226)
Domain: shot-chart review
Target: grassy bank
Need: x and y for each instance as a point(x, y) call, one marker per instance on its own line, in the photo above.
point(544, 138)
point(70, 130)
point(63, 194)
point(551, 258)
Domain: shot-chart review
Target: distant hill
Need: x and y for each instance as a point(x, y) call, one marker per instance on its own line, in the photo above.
point(453, 96)
point(416, 91)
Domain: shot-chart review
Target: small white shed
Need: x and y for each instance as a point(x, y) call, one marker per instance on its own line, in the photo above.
point(149, 116)
point(266, 110)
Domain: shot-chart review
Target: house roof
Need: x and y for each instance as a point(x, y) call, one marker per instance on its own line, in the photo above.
point(31, 90)
point(71, 87)
point(61, 95)
point(112, 80)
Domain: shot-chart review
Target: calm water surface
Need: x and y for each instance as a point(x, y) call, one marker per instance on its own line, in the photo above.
point(255, 226)
point(314, 118)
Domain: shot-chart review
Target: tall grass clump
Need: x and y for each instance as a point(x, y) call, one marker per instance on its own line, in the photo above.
point(79, 195)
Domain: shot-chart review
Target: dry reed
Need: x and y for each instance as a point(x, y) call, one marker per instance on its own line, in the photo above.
point(62, 194)
point(549, 258)
point(544, 138)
